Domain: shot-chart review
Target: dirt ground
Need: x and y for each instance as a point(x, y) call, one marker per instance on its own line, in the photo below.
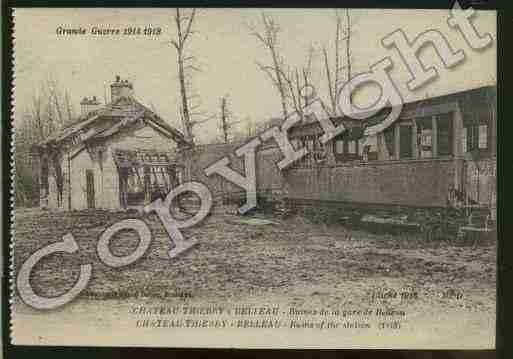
point(293, 260)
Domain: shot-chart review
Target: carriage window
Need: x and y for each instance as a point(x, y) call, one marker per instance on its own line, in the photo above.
point(179, 176)
point(445, 134)
point(310, 144)
point(339, 147)
point(352, 147)
point(390, 140)
point(472, 138)
point(424, 137)
point(476, 137)
point(319, 153)
point(405, 141)
point(464, 137)
point(483, 137)
point(316, 150)
point(360, 147)
point(368, 148)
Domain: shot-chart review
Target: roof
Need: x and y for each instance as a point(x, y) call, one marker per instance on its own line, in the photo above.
point(471, 103)
point(110, 119)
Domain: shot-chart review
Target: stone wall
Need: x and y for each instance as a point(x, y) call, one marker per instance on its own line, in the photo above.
point(105, 172)
point(145, 138)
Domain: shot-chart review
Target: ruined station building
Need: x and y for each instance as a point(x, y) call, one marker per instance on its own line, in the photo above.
point(115, 156)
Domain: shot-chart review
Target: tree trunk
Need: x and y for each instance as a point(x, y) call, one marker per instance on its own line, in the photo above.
point(185, 106)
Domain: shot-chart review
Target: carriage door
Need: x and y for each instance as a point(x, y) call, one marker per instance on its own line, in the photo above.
point(90, 188)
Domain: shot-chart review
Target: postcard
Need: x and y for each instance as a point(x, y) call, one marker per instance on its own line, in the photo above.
point(254, 178)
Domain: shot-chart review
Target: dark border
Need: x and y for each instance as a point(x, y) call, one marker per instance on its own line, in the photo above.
point(505, 245)
point(393, 4)
point(6, 133)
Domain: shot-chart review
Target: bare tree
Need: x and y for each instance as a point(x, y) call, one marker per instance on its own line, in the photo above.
point(50, 108)
point(226, 117)
point(292, 84)
point(250, 129)
point(54, 100)
point(225, 125)
point(348, 47)
point(184, 25)
point(36, 117)
point(334, 75)
point(269, 38)
point(298, 83)
point(69, 106)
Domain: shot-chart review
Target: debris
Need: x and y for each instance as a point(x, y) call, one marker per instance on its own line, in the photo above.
point(252, 221)
point(390, 223)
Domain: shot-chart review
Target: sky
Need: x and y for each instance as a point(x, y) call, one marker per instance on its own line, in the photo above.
point(227, 54)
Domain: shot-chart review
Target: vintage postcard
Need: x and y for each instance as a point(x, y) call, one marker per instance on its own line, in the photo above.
point(254, 178)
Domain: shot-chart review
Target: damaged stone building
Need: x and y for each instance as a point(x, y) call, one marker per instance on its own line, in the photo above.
point(114, 156)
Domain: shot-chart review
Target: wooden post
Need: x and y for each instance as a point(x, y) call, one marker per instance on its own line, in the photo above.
point(434, 137)
point(330, 152)
point(414, 138)
point(147, 184)
point(457, 130)
point(69, 182)
point(397, 140)
point(492, 130)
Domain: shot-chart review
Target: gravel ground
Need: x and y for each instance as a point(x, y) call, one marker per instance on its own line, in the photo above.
point(234, 260)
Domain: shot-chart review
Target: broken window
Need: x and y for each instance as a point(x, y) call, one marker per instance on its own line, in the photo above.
point(309, 143)
point(475, 137)
point(135, 180)
point(339, 147)
point(319, 150)
point(144, 176)
point(483, 137)
point(361, 148)
point(368, 148)
point(389, 135)
point(424, 137)
point(472, 133)
point(352, 147)
point(464, 137)
point(346, 148)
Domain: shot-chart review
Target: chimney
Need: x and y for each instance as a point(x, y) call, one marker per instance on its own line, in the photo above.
point(120, 88)
point(89, 104)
